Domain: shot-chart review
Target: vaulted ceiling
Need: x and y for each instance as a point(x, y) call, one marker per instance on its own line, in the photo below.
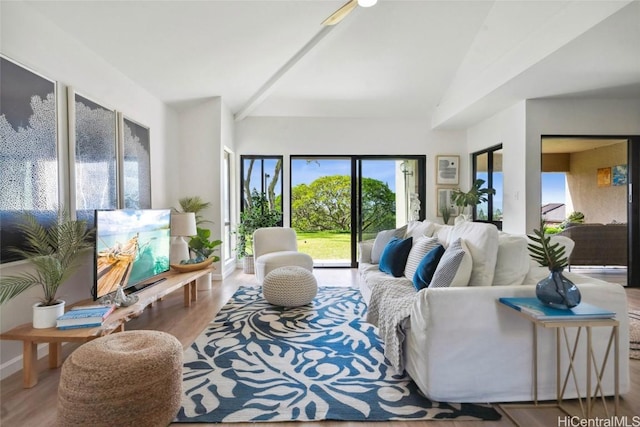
point(449, 62)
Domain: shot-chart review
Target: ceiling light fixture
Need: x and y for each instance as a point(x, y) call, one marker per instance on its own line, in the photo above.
point(367, 3)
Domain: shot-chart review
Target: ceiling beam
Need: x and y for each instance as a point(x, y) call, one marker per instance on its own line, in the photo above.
point(264, 90)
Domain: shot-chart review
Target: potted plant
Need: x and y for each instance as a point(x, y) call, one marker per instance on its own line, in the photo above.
point(53, 253)
point(258, 215)
point(555, 290)
point(473, 197)
point(200, 245)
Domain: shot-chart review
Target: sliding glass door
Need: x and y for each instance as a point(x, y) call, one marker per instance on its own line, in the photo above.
point(337, 201)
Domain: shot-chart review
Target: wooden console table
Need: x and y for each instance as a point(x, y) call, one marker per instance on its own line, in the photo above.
point(31, 337)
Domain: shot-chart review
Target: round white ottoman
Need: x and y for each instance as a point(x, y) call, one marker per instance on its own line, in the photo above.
point(290, 286)
point(131, 378)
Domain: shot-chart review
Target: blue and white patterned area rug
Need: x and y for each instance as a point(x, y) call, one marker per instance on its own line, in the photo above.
point(258, 362)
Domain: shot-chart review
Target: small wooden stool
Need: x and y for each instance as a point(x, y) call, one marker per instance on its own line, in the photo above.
point(131, 378)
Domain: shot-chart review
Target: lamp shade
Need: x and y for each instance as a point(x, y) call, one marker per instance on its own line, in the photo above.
point(183, 224)
point(367, 3)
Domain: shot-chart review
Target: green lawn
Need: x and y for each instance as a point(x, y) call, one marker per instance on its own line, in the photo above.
point(325, 245)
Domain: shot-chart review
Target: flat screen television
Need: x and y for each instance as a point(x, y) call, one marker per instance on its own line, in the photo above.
point(132, 249)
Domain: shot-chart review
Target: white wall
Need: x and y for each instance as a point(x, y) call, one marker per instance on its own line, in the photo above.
point(520, 129)
point(608, 117)
point(30, 39)
point(205, 129)
point(331, 136)
point(506, 128)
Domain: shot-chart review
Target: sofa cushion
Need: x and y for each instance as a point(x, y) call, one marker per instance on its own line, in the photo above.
point(482, 241)
point(394, 256)
point(454, 268)
point(383, 237)
point(442, 232)
point(512, 263)
point(427, 267)
point(421, 247)
point(418, 229)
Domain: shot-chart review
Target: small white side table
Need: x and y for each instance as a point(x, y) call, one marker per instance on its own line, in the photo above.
point(594, 370)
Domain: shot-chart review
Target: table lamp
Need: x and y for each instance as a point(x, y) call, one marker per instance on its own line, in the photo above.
point(182, 225)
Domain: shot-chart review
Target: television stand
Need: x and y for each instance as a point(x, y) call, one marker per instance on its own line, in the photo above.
point(31, 337)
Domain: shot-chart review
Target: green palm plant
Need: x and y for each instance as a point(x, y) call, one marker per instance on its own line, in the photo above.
point(196, 205)
point(52, 251)
point(472, 197)
point(544, 252)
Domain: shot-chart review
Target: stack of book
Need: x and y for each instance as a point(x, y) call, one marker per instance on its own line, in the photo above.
point(87, 316)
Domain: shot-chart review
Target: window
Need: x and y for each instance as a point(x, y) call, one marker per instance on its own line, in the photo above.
point(226, 196)
point(264, 175)
point(487, 165)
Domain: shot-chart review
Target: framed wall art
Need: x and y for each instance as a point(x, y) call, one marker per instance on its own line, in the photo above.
point(93, 152)
point(28, 152)
point(604, 177)
point(445, 199)
point(135, 176)
point(619, 175)
point(447, 170)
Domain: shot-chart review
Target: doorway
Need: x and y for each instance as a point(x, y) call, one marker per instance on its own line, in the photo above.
point(337, 201)
point(586, 181)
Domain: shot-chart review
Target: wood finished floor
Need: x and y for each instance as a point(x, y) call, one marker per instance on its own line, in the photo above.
point(37, 406)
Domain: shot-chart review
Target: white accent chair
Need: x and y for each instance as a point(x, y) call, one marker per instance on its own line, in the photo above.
point(275, 247)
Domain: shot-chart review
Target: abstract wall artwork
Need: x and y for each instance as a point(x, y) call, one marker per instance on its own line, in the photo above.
point(619, 175)
point(93, 137)
point(447, 170)
point(445, 199)
point(604, 177)
point(28, 151)
point(136, 165)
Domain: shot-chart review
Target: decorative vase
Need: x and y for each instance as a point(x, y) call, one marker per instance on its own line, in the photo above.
point(557, 291)
point(204, 282)
point(45, 316)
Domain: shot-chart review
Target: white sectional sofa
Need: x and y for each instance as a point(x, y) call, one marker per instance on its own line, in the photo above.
point(461, 345)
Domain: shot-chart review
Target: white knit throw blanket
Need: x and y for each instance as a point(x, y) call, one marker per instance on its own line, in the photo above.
point(389, 310)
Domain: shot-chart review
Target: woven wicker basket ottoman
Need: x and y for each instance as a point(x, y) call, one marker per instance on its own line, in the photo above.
point(131, 378)
point(290, 286)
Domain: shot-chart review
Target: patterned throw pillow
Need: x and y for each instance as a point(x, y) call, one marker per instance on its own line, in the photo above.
point(382, 239)
point(454, 268)
point(394, 256)
point(420, 248)
point(427, 267)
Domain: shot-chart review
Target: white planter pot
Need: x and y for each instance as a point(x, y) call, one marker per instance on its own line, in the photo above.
point(46, 316)
point(203, 283)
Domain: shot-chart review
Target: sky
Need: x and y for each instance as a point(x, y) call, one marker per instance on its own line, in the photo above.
point(553, 185)
point(304, 172)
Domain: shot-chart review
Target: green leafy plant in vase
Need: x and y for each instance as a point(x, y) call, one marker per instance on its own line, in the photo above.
point(202, 248)
point(53, 255)
point(258, 215)
point(555, 290)
point(473, 197)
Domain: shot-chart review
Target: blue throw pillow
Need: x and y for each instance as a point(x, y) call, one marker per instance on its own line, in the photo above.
point(394, 256)
point(426, 268)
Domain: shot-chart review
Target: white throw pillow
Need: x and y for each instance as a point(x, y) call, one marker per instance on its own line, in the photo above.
point(482, 241)
point(418, 229)
point(442, 232)
point(512, 264)
point(420, 248)
point(382, 239)
point(454, 268)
